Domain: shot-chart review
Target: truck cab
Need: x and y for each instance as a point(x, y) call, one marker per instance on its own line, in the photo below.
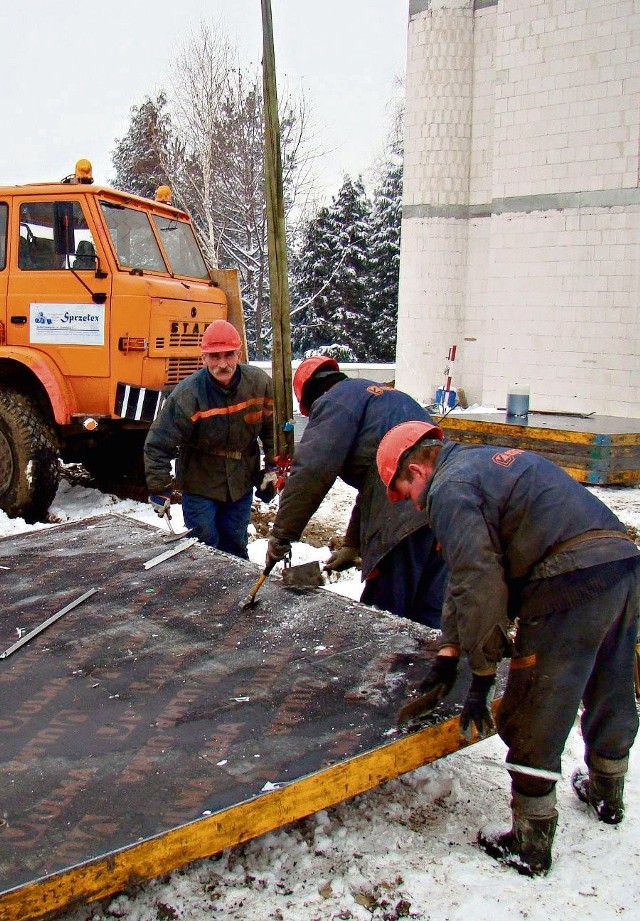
point(104, 297)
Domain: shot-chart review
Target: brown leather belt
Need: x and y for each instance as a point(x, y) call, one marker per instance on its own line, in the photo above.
point(231, 455)
point(583, 538)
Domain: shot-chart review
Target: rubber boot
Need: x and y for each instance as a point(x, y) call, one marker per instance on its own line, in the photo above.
point(602, 787)
point(527, 846)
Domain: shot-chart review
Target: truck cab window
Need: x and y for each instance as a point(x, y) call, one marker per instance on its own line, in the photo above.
point(132, 238)
point(53, 236)
point(179, 243)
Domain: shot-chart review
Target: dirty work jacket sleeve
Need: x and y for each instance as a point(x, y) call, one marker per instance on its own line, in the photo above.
point(475, 608)
point(317, 462)
point(172, 428)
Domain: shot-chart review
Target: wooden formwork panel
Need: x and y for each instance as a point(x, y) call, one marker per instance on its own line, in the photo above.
point(596, 450)
point(156, 722)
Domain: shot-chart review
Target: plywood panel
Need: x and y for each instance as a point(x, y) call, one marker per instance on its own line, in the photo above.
point(156, 722)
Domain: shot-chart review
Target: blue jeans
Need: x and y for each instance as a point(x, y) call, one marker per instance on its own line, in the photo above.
point(411, 580)
point(219, 524)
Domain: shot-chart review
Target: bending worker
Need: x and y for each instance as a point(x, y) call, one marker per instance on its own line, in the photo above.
point(212, 421)
point(523, 540)
point(347, 418)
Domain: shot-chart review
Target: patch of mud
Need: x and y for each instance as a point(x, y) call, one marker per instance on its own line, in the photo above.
point(317, 533)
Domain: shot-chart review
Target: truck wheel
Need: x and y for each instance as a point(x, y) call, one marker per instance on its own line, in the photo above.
point(117, 465)
point(29, 467)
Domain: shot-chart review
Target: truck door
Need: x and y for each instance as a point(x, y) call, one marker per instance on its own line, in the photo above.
point(4, 271)
point(55, 302)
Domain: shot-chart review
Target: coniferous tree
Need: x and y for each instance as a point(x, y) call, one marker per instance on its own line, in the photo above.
point(331, 276)
point(386, 218)
point(138, 156)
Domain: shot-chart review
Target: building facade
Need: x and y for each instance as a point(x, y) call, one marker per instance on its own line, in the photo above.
point(521, 208)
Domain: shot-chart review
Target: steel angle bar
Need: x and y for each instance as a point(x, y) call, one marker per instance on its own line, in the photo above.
point(47, 623)
point(183, 545)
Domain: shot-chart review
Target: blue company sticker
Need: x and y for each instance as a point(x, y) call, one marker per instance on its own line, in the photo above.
point(66, 324)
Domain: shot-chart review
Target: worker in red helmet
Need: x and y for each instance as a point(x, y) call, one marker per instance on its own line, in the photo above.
point(528, 545)
point(401, 567)
point(213, 422)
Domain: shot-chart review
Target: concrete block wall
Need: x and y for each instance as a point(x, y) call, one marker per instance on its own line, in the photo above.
point(533, 268)
point(433, 257)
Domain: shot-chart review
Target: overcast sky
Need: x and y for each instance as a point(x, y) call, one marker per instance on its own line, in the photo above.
point(70, 73)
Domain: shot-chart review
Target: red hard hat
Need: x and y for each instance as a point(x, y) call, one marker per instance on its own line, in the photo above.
point(393, 445)
point(220, 336)
point(305, 370)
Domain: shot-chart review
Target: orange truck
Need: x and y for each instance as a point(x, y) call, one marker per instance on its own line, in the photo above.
point(104, 299)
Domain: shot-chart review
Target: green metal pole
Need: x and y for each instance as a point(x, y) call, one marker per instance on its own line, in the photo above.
point(277, 247)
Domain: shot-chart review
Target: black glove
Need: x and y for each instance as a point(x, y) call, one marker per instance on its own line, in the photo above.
point(345, 558)
point(475, 711)
point(276, 550)
point(439, 680)
point(266, 489)
point(161, 502)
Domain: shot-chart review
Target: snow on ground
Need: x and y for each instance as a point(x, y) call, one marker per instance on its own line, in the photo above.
point(407, 848)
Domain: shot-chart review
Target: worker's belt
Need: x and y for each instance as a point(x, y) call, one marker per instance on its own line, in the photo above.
point(583, 538)
point(538, 573)
point(231, 455)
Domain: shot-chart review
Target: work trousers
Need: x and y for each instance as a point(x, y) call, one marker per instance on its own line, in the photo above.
point(410, 580)
point(219, 524)
point(585, 653)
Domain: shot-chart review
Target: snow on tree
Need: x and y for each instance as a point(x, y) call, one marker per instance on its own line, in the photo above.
point(209, 145)
point(331, 276)
point(345, 273)
point(137, 158)
point(384, 256)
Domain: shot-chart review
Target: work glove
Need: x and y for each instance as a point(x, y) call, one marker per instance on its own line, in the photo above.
point(266, 491)
point(475, 711)
point(276, 550)
point(437, 683)
point(161, 502)
point(345, 558)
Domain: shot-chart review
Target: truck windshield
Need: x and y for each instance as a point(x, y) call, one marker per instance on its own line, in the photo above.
point(133, 238)
point(179, 242)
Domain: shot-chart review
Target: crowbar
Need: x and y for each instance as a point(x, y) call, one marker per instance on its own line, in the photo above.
point(47, 623)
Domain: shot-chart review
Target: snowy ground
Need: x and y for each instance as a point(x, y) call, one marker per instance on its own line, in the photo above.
point(406, 849)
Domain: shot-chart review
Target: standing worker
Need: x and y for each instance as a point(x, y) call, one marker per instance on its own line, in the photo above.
point(347, 418)
point(212, 421)
point(523, 540)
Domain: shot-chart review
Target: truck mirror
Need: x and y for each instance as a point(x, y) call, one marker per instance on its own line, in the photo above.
point(63, 228)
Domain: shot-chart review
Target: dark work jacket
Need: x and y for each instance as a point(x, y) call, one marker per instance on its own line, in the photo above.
point(499, 515)
point(341, 439)
point(216, 433)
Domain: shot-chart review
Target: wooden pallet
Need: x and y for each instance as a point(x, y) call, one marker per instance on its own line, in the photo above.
point(597, 450)
point(156, 723)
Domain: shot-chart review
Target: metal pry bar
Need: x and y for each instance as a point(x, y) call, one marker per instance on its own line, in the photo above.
point(47, 623)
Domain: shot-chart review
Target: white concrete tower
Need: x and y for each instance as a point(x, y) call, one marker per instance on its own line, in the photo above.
point(521, 218)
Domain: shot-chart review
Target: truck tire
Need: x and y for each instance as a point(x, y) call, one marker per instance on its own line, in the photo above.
point(116, 465)
point(29, 466)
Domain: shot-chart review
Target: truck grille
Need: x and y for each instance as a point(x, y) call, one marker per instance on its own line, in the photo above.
point(179, 368)
point(178, 341)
